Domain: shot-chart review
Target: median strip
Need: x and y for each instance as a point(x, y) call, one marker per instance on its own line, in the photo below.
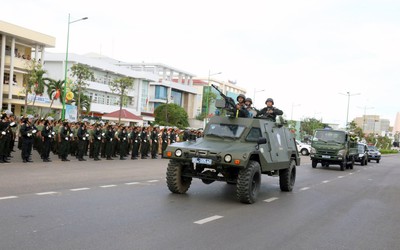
point(209, 219)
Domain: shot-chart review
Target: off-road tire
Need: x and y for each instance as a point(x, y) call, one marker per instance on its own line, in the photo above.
point(343, 165)
point(248, 183)
point(362, 162)
point(351, 166)
point(314, 163)
point(287, 177)
point(176, 183)
point(377, 161)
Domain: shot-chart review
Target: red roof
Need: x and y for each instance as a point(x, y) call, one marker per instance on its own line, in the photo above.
point(125, 114)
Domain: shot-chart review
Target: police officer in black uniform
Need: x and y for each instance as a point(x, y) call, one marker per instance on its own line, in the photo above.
point(123, 143)
point(269, 112)
point(83, 137)
point(97, 138)
point(47, 134)
point(154, 142)
point(27, 131)
point(3, 138)
point(135, 141)
point(65, 136)
point(109, 136)
point(164, 138)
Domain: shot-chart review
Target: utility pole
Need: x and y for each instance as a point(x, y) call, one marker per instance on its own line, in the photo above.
point(348, 94)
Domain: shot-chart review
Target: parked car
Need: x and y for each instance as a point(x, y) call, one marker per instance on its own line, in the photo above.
point(374, 154)
point(362, 154)
point(303, 148)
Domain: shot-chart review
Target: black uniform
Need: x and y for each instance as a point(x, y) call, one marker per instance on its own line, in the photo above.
point(27, 132)
point(3, 140)
point(123, 144)
point(154, 144)
point(65, 137)
point(109, 136)
point(143, 144)
point(269, 113)
point(47, 139)
point(97, 137)
point(83, 138)
point(135, 144)
point(164, 143)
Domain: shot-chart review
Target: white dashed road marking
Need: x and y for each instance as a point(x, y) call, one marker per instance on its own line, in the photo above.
point(108, 186)
point(340, 177)
point(209, 219)
point(132, 183)
point(79, 189)
point(271, 199)
point(8, 197)
point(46, 193)
point(151, 181)
point(304, 188)
point(327, 181)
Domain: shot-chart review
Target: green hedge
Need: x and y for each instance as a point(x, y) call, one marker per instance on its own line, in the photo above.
point(388, 151)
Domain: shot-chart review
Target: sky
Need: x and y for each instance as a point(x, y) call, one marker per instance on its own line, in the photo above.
point(310, 56)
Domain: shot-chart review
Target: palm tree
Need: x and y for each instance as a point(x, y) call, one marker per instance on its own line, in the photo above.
point(54, 89)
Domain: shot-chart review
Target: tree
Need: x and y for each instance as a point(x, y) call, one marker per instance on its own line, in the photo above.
point(177, 116)
point(84, 100)
point(121, 86)
point(309, 125)
point(34, 82)
point(82, 74)
point(54, 89)
point(208, 98)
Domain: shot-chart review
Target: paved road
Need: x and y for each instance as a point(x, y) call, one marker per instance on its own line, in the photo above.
point(126, 205)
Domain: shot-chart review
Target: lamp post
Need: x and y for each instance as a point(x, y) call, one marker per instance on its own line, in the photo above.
point(66, 64)
point(348, 105)
point(209, 88)
point(254, 95)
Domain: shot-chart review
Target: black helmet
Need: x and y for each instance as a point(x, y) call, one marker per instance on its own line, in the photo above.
point(241, 95)
point(248, 99)
point(270, 100)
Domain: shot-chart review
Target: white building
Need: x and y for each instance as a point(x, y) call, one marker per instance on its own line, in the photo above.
point(103, 99)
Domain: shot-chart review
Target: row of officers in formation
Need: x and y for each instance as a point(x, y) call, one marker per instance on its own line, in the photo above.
point(80, 139)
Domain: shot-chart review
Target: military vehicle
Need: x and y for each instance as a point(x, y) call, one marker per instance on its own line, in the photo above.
point(333, 147)
point(237, 151)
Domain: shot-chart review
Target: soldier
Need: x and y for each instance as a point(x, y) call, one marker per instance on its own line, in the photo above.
point(97, 138)
point(109, 136)
point(3, 138)
point(154, 142)
point(135, 143)
point(164, 138)
point(83, 137)
point(64, 138)
point(47, 135)
point(123, 143)
point(10, 134)
point(28, 131)
point(252, 112)
point(143, 143)
point(269, 112)
point(172, 136)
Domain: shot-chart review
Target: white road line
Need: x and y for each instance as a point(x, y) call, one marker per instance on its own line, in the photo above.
point(132, 183)
point(79, 189)
point(46, 193)
point(108, 186)
point(271, 199)
point(350, 173)
point(327, 181)
point(209, 219)
point(304, 188)
point(340, 177)
point(8, 197)
point(150, 181)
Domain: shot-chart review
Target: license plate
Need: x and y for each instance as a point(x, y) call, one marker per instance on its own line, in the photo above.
point(201, 161)
point(326, 156)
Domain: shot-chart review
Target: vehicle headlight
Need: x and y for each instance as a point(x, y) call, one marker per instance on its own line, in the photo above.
point(178, 153)
point(360, 155)
point(228, 158)
point(341, 152)
point(313, 150)
point(379, 153)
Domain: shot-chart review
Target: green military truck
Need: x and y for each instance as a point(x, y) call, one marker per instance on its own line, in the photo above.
point(333, 147)
point(236, 151)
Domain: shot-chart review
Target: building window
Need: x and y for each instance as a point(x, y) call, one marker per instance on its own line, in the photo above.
point(161, 92)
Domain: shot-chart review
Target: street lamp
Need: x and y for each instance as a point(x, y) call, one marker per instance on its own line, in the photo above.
point(66, 64)
point(254, 95)
point(209, 88)
point(348, 105)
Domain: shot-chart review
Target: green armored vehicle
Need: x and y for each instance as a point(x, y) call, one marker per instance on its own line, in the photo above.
point(333, 147)
point(236, 151)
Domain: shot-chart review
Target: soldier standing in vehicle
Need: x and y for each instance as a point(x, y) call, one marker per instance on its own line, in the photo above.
point(248, 104)
point(269, 112)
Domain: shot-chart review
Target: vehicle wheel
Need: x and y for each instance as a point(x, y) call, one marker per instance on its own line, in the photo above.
point(314, 163)
point(369, 160)
point(343, 165)
point(248, 183)
point(304, 151)
point(363, 162)
point(366, 161)
point(287, 177)
point(176, 183)
point(351, 166)
point(377, 161)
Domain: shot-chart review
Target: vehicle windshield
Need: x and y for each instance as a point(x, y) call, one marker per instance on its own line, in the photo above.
point(329, 136)
point(372, 148)
point(224, 130)
point(360, 148)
